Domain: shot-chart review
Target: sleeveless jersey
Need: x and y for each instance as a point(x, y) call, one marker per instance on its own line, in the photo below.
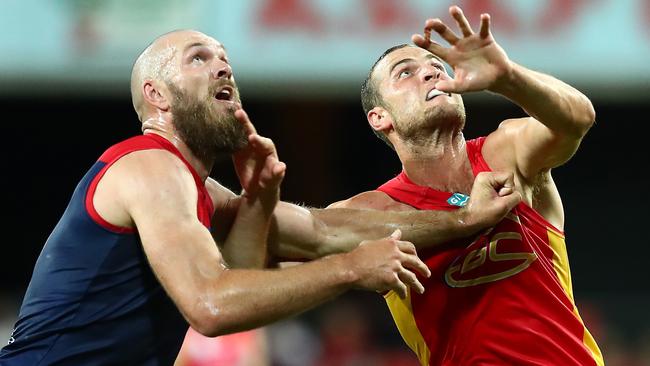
point(505, 299)
point(93, 299)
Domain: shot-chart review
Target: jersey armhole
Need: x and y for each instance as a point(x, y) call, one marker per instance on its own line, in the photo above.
point(90, 206)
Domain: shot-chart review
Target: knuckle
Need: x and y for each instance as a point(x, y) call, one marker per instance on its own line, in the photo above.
point(396, 265)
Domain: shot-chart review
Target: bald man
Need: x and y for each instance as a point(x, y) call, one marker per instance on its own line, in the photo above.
point(132, 260)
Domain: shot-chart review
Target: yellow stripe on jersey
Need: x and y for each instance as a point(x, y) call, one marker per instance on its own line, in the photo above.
point(402, 313)
point(561, 266)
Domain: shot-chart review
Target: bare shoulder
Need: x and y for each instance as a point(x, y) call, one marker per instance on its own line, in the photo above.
point(152, 170)
point(139, 179)
point(499, 147)
point(372, 200)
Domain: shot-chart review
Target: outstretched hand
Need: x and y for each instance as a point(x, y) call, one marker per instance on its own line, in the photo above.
point(257, 165)
point(479, 63)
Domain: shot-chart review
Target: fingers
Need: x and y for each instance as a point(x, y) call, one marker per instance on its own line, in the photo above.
point(504, 184)
point(410, 279)
point(412, 262)
point(272, 173)
point(242, 117)
point(259, 143)
point(262, 145)
point(429, 45)
point(442, 29)
point(512, 200)
point(462, 22)
point(397, 234)
point(450, 86)
point(279, 169)
point(399, 287)
point(502, 180)
point(406, 247)
point(484, 32)
point(497, 180)
point(410, 258)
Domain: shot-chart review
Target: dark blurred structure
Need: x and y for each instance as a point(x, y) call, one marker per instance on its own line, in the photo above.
point(66, 99)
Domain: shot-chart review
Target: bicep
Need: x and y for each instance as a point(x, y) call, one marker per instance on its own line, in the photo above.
point(529, 147)
point(161, 199)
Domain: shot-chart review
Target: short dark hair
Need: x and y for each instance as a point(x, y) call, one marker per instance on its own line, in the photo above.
point(370, 97)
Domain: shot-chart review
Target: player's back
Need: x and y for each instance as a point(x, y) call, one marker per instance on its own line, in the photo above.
point(93, 298)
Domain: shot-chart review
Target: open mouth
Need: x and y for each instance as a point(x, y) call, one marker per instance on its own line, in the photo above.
point(434, 93)
point(225, 94)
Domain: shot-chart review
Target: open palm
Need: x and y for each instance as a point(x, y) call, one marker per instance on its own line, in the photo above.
point(479, 63)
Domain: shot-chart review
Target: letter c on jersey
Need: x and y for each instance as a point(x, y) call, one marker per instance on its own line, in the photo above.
point(483, 259)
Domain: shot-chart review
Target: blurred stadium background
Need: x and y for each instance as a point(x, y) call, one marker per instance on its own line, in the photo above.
point(64, 95)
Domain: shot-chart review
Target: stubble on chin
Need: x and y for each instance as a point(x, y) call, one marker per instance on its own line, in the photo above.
point(419, 126)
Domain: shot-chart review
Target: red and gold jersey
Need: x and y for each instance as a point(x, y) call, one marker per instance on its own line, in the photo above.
point(505, 299)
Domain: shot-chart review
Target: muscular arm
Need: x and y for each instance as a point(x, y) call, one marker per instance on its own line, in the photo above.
point(245, 244)
point(301, 233)
point(560, 116)
point(297, 232)
point(260, 173)
point(158, 193)
point(231, 228)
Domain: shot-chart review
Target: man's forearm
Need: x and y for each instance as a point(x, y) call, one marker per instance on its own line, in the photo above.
point(245, 246)
point(299, 233)
point(554, 103)
point(246, 299)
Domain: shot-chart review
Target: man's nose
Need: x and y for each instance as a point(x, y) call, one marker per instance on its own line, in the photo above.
point(222, 71)
point(431, 73)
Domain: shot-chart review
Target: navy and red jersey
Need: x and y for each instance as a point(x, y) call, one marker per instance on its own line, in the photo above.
point(93, 299)
point(504, 299)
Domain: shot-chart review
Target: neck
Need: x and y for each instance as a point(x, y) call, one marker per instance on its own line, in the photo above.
point(439, 162)
point(160, 126)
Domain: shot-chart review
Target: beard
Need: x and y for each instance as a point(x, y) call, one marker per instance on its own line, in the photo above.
point(205, 132)
point(419, 129)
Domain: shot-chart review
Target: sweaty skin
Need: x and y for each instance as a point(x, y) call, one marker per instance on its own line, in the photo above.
point(192, 67)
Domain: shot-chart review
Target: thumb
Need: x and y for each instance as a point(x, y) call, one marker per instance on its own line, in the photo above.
point(503, 179)
point(397, 234)
point(511, 200)
point(448, 86)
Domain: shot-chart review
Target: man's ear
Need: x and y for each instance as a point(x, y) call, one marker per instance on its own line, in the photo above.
point(154, 95)
point(380, 120)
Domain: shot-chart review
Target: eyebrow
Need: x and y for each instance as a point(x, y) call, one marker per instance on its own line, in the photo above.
point(201, 44)
point(429, 56)
point(402, 61)
point(195, 44)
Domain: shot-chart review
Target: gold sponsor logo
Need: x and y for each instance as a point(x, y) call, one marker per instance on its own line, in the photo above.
point(488, 262)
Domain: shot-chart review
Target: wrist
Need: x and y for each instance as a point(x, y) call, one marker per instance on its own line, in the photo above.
point(344, 265)
point(262, 199)
point(468, 221)
point(506, 83)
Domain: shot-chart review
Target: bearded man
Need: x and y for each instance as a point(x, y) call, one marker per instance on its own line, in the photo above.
point(132, 260)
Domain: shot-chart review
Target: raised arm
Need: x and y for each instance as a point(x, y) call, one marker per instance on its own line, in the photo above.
point(559, 114)
point(155, 190)
point(260, 173)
